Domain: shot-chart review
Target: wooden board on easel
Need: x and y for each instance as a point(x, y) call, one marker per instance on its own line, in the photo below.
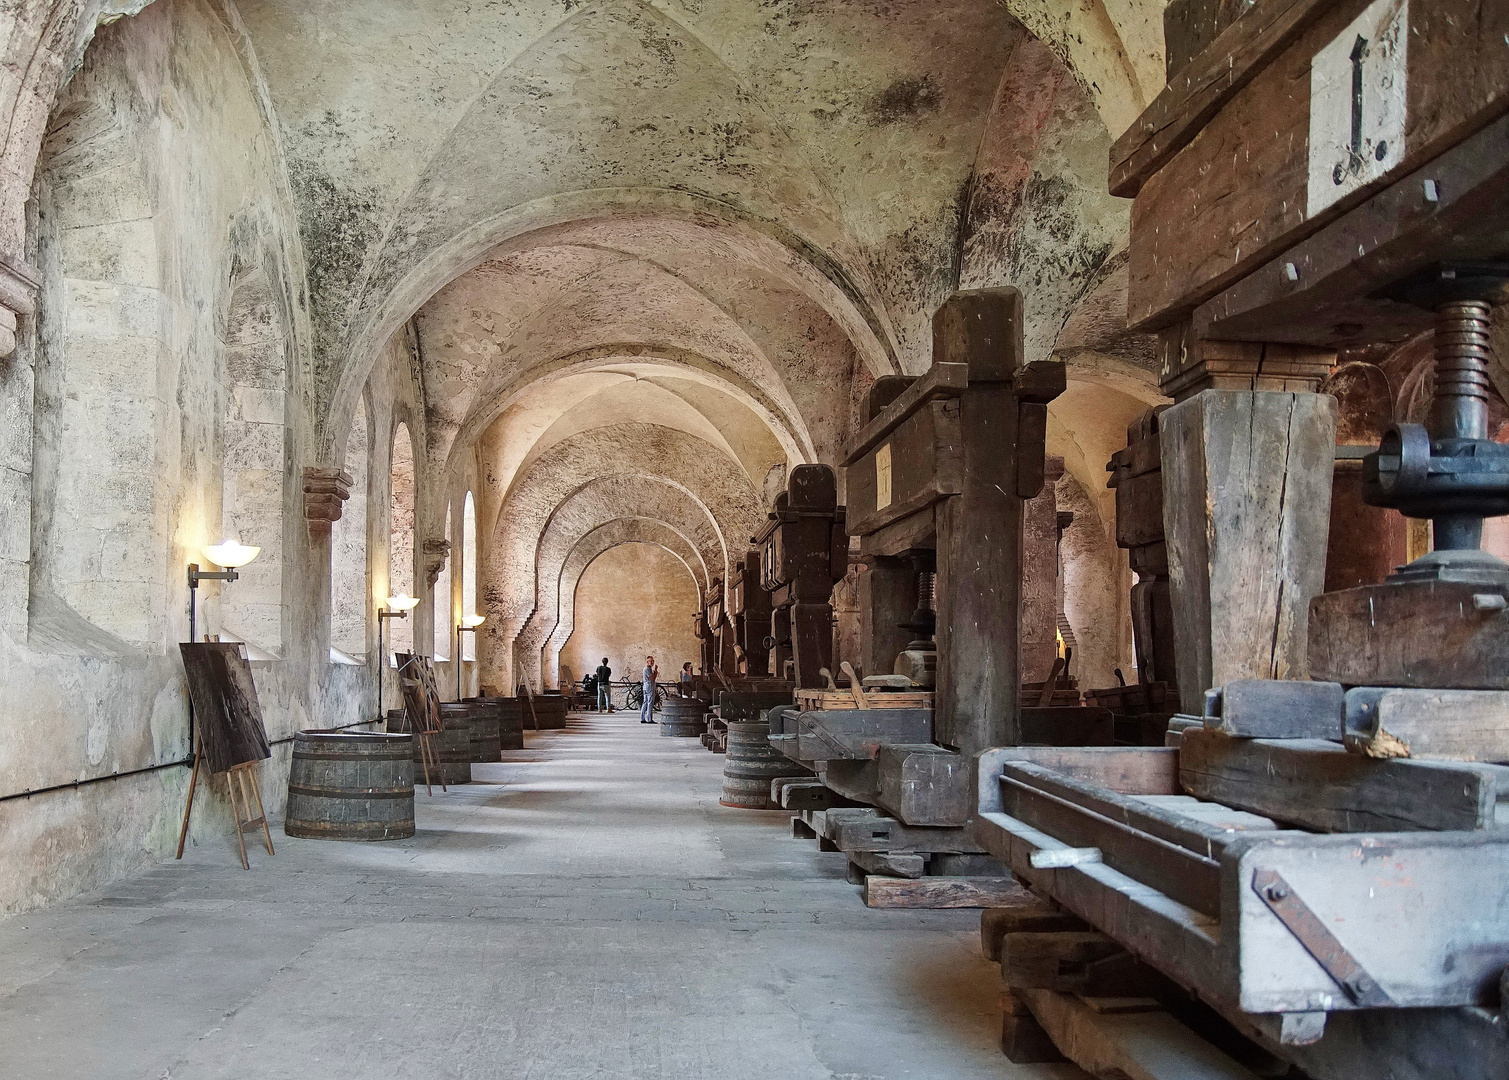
point(229, 736)
point(421, 697)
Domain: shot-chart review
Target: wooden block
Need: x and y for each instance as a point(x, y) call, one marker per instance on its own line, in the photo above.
point(1108, 1006)
point(808, 795)
point(1031, 915)
point(891, 864)
point(1449, 725)
point(1144, 1046)
point(941, 892)
point(1275, 709)
point(864, 829)
point(1140, 770)
point(1023, 1040)
point(965, 864)
point(1053, 960)
point(1252, 473)
point(924, 784)
point(1425, 635)
point(854, 874)
point(1319, 785)
point(801, 830)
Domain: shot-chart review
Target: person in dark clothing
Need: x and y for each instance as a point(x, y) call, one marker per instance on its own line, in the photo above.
point(604, 686)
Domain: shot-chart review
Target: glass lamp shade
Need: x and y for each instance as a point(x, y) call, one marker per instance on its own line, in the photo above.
point(402, 602)
point(231, 553)
point(473, 621)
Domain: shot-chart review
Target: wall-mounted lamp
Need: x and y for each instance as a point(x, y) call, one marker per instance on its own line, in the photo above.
point(468, 623)
point(229, 553)
point(394, 607)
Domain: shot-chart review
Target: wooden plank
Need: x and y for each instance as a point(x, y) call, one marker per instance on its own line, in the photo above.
point(856, 734)
point(870, 830)
point(945, 379)
point(1143, 842)
point(1429, 634)
point(1139, 770)
point(1140, 1046)
point(1330, 296)
point(1083, 725)
point(1081, 962)
point(1239, 192)
point(1452, 725)
point(941, 892)
point(1248, 477)
point(889, 863)
point(1319, 785)
point(878, 699)
point(1196, 93)
point(227, 715)
point(1031, 915)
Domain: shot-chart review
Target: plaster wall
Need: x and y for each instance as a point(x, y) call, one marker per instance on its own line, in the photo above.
point(634, 599)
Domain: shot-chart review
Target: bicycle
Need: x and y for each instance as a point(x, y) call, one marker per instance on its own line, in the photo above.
point(634, 698)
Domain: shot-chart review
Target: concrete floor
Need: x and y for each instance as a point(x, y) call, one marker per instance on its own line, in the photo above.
point(586, 909)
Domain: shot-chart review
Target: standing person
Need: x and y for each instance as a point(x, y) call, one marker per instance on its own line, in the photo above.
point(604, 687)
point(647, 710)
point(686, 679)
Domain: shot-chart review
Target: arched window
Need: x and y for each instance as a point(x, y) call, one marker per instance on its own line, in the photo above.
point(251, 491)
point(348, 548)
point(445, 615)
point(401, 535)
point(469, 573)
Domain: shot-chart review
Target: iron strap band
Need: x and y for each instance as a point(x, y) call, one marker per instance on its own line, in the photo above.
point(347, 793)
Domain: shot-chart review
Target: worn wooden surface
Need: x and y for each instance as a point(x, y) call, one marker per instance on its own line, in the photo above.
point(940, 892)
point(1212, 54)
point(1277, 709)
point(1031, 915)
point(1237, 193)
point(887, 598)
point(1140, 1046)
point(889, 864)
point(1452, 725)
point(1332, 297)
point(863, 829)
point(1247, 482)
point(227, 715)
point(1319, 785)
point(1429, 634)
point(924, 784)
point(1141, 770)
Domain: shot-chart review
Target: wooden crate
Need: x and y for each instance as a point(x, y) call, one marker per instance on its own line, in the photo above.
point(878, 699)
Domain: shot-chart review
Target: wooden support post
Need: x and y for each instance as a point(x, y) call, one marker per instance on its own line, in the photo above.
point(1247, 492)
point(887, 598)
point(1040, 577)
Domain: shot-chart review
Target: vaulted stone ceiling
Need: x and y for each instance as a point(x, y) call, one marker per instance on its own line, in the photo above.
point(676, 240)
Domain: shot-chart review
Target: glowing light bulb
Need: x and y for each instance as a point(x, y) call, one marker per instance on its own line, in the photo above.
point(402, 602)
point(472, 621)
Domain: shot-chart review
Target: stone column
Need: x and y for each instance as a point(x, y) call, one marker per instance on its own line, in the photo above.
point(1040, 593)
point(1246, 505)
point(18, 285)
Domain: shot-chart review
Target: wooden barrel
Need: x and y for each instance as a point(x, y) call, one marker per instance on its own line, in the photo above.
point(684, 718)
point(752, 764)
point(482, 721)
point(452, 748)
point(350, 786)
point(550, 709)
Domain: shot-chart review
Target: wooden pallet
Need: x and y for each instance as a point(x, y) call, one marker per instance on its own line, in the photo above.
point(874, 699)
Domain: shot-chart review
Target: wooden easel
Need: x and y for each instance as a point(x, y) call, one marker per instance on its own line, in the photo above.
point(244, 777)
point(529, 693)
point(241, 779)
point(421, 700)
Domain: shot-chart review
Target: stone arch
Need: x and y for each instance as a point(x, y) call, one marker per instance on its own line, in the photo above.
point(709, 478)
point(586, 550)
point(349, 571)
point(253, 471)
point(402, 579)
point(588, 509)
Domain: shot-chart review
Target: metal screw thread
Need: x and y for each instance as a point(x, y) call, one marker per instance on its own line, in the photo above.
point(1463, 351)
point(927, 590)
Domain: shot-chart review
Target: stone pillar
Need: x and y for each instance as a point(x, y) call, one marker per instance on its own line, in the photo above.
point(1137, 478)
point(18, 294)
point(1040, 595)
point(1247, 495)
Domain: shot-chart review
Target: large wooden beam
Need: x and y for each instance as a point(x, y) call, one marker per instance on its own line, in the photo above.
point(1247, 492)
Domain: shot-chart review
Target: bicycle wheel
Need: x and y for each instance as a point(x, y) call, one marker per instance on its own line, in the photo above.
point(634, 697)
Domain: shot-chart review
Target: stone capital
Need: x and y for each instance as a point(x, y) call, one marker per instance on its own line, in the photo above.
point(436, 551)
point(326, 490)
point(18, 297)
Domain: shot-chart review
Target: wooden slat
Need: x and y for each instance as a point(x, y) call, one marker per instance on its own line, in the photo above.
point(1319, 785)
point(942, 892)
point(1197, 93)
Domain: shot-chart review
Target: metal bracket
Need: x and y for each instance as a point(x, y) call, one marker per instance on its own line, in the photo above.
point(1318, 941)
